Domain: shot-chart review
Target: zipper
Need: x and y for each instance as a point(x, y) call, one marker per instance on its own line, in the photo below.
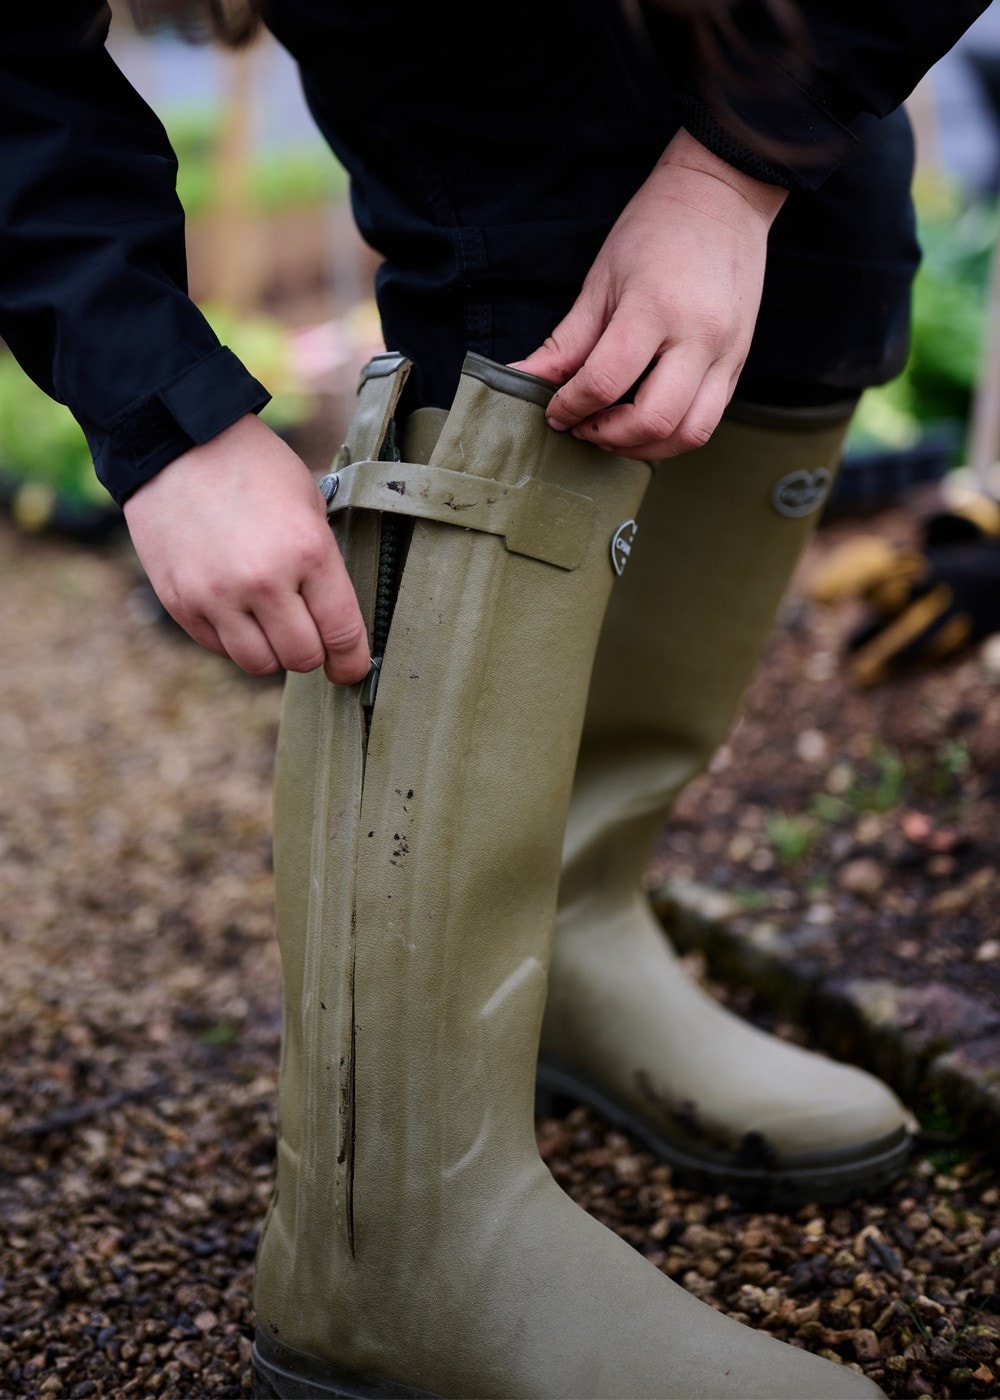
point(394, 539)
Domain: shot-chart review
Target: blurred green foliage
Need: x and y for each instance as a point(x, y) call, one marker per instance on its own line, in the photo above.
point(286, 178)
point(40, 440)
point(949, 326)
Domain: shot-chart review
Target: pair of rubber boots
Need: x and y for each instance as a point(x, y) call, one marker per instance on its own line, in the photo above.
point(416, 1244)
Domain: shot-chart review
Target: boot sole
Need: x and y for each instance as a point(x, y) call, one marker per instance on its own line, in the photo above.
point(772, 1180)
point(289, 1375)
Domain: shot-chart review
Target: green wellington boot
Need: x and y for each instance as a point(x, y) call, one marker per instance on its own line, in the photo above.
point(625, 1028)
point(416, 1244)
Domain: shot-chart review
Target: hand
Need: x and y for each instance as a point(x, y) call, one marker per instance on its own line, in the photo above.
point(676, 286)
point(234, 538)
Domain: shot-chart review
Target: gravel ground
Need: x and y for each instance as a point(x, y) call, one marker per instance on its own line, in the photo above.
point(140, 1030)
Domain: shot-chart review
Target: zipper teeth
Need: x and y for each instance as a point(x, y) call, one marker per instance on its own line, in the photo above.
point(386, 584)
point(388, 575)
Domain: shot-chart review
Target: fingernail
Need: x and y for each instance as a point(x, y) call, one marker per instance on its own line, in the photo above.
point(556, 423)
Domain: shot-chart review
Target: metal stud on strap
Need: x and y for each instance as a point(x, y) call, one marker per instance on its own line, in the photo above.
point(535, 518)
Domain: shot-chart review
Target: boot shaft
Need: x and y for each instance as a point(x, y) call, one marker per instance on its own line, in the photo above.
point(417, 845)
point(720, 533)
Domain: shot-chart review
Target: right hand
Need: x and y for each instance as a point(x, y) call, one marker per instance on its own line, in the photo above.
point(674, 290)
point(234, 538)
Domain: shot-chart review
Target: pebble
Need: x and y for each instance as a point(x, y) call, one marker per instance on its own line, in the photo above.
point(862, 876)
point(866, 1345)
point(989, 656)
point(812, 746)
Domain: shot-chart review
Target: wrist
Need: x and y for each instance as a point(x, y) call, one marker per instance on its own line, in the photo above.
point(686, 158)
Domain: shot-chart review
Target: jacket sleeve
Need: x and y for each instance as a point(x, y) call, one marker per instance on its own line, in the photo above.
point(792, 102)
point(93, 299)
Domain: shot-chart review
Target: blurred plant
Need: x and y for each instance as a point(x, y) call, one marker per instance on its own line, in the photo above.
point(791, 837)
point(264, 346)
point(948, 324)
point(280, 178)
point(43, 453)
point(886, 779)
point(751, 900)
point(881, 789)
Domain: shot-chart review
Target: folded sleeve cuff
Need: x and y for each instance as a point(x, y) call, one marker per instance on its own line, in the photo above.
point(192, 407)
point(794, 143)
point(778, 116)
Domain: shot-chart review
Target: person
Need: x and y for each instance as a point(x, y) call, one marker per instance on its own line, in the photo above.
point(611, 236)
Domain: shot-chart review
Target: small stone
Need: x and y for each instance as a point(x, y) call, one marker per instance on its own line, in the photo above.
point(188, 1356)
point(869, 829)
point(916, 826)
point(948, 901)
point(811, 746)
point(839, 779)
point(821, 666)
point(988, 951)
point(862, 876)
point(944, 1217)
point(629, 1169)
point(961, 1375)
point(822, 914)
point(741, 847)
point(989, 656)
point(866, 1345)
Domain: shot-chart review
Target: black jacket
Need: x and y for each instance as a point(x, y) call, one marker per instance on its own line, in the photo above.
point(92, 270)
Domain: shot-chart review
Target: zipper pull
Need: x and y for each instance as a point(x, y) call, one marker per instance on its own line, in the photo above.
point(370, 684)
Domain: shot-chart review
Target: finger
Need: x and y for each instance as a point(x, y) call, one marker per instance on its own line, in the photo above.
point(705, 412)
point(648, 426)
point(564, 351)
point(198, 627)
point(291, 631)
point(202, 631)
point(244, 642)
point(617, 360)
point(333, 606)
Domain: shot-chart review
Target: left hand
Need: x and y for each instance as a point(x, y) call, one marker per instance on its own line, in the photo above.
point(677, 287)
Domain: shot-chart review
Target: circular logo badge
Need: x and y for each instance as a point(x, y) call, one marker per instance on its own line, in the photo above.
point(621, 545)
point(800, 493)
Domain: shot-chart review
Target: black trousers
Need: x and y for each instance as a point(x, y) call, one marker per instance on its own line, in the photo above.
point(491, 148)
